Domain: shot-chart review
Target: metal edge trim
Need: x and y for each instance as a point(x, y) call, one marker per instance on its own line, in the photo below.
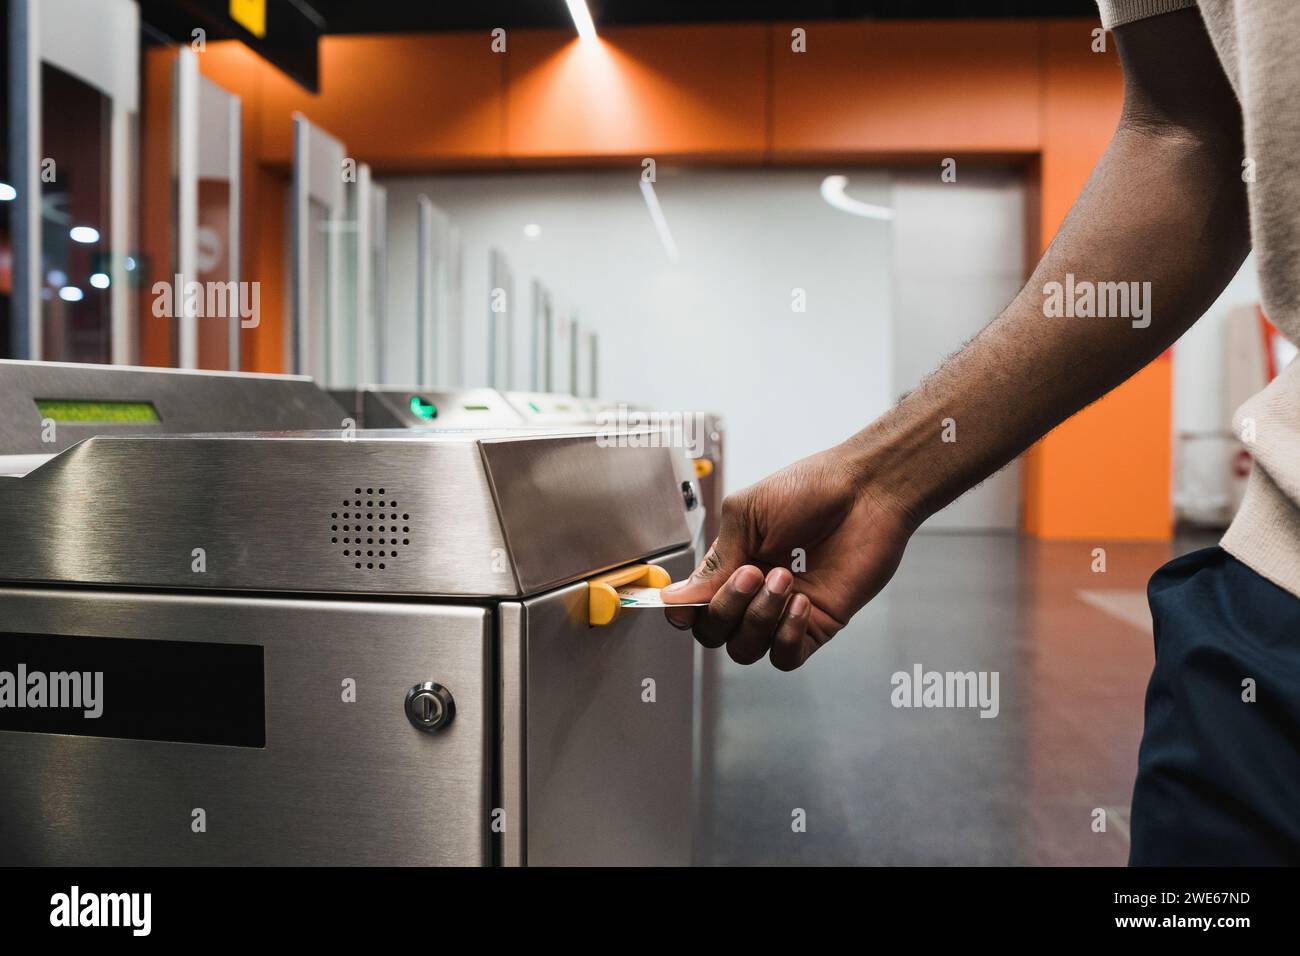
point(496, 508)
point(512, 763)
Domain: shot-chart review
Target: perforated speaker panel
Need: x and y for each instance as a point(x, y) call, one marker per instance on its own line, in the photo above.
point(369, 529)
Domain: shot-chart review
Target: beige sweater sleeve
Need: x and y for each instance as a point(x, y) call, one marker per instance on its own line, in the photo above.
point(1116, 13)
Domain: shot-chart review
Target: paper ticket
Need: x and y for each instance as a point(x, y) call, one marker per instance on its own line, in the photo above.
point(629, 596)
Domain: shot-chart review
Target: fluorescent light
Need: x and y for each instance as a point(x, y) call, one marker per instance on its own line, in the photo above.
point(532, 230)
point(70, 293)
point(84, 234)
point(833, 193)
point(657, 217)
point(582, 19)
point(7, 192)
point(130, 263)
point(99, 280)
point(56, 277)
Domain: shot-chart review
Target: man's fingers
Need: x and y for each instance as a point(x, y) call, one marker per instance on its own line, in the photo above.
point(704, 580)
point(714, 627)
point(789, 646)
point(682, 618)
point(724, 557)
point(700, 586)
point(753, 637)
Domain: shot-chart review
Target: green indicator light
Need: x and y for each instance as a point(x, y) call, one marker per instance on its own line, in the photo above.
point(422, 409)
point(533, 406)
point(476, 408)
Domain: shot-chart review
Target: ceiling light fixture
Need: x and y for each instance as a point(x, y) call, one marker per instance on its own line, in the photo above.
point(582, 19)
point(833, 192)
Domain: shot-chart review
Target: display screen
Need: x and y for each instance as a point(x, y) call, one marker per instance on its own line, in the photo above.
point(97, 412)
point(178, 691)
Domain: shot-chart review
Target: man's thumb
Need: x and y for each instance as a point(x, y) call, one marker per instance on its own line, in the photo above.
point(707, 578)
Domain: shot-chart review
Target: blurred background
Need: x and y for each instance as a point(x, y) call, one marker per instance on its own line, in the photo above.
point(784, 213)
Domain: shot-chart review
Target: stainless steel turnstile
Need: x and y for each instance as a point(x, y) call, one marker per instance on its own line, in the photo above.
point(384, 406)
point(388, 406)
point(329, 647)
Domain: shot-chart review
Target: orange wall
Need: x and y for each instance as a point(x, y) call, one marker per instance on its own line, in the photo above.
point(889, 92)
point(940, 88)
point(1106, 473)
point(156, 222)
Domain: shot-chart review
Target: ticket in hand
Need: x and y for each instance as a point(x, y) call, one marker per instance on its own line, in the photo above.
point(629, 596)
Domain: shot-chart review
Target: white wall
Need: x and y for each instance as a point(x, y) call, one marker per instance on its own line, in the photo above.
point(1199, 400)
point(886, 302)
point(1203, 477)
point(714, 330)
point(958, 261)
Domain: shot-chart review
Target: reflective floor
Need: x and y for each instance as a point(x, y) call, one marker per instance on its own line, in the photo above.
point(879, 784)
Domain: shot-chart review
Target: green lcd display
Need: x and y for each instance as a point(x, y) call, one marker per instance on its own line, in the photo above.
point(97, 412)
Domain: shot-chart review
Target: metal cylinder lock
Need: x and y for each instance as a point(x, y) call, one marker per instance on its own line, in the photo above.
point(429, 707)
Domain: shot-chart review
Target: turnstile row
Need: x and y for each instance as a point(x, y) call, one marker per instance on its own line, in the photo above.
point(329, 646)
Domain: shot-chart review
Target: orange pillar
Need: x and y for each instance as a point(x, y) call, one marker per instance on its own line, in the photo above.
point(1105, 473)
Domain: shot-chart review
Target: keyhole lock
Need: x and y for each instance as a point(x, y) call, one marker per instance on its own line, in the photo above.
point(429, 707)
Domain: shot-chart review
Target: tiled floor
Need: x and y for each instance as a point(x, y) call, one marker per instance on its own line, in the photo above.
point(885, 785)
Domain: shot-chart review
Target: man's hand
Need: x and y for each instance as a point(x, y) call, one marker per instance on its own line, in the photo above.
point(815, 516)
point(1165, 205)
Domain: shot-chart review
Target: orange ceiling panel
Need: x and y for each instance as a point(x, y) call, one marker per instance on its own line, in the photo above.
point(641, 91)
point(395, 100)
point(950, 87)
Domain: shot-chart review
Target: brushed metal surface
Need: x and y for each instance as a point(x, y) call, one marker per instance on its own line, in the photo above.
point(132, 511)
point(276, 512)
point(570, 505)
point(337, 783)
point(698, 516)
point(713, 485)
point(186, 401)
point(607, 776)
point(512, 768)
point(349, 400)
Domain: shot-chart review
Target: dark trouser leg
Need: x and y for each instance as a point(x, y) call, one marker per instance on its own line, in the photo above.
point(1219, 778)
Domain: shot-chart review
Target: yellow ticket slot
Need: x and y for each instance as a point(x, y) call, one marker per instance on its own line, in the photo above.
point(602, 598)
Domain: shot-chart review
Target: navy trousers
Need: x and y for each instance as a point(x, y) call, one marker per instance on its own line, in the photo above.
point(1218, 774)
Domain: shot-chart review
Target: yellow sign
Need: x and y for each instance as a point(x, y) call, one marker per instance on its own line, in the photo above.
point(251, 15)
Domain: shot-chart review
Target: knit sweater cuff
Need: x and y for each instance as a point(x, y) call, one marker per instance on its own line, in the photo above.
point(1116, 13)
point(1265, 535)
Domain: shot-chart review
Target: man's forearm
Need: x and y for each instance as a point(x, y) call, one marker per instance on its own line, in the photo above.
point(1161, 207)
